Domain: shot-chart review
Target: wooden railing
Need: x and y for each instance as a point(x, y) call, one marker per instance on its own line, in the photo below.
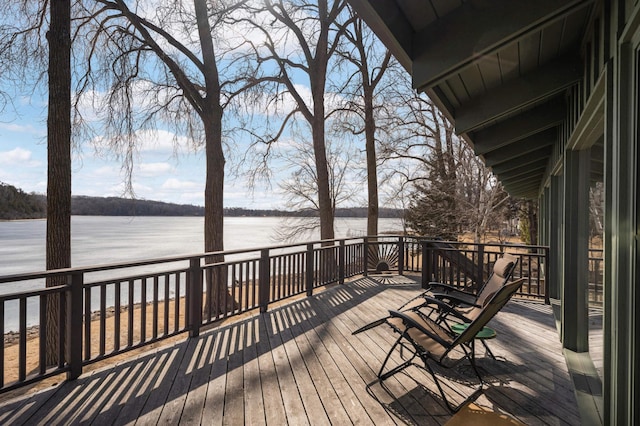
point(596, 277)
point(112, 309)
point(468, 265)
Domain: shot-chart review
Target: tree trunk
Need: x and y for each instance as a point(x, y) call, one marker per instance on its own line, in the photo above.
point(211, 115)
point(58, 244)
point(372, 168)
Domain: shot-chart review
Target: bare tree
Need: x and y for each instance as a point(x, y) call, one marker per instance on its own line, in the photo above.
point(299, 38)
point(301, 187)
point(58, 245)
point(156, 69)
point(454, 191)
point(371, 60)
point(24, 55)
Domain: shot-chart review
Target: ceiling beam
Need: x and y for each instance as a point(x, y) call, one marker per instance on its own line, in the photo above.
point(540, 165)
point(523, 192)
point(529, 160)
point(534, 87)
point(527, 123)
point(519, 148)
point(524, 175)
point(391, 26)
point(478, 28)
point(523, 188)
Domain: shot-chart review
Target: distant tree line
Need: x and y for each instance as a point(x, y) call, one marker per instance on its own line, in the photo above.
point(16, 204)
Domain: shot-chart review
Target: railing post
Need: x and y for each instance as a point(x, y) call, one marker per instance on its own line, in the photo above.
point(366, 257)
point(341, 262)
point(400, 255)
point(309, 270)
point(195, 296)
point(480, 276)
point(264, 280)
point(426, 265)
point(547, 299)
point(74, 326)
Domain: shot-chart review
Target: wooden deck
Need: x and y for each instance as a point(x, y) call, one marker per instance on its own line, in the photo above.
point(299, 364)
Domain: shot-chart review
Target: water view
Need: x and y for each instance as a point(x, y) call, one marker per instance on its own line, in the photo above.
point(99, 240)
point(115, 239)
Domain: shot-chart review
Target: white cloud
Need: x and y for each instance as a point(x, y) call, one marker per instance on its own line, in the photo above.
point(24, 128)
point(177, 184)
point(154, 169)
point(18, 157)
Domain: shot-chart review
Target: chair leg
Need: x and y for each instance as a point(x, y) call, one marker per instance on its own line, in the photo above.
point(453, 409)
point(384, 376)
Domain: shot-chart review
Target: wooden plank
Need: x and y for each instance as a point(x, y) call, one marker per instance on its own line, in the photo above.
point(214, 400)
point(254, 409)
point(158, 385)
point(294, 408)
point(234, 389)
point(274, 411)
point(200, 368)
point(301, 314)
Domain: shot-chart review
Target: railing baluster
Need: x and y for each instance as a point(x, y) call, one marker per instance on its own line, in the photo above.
point(154, 325)
point(43, 333)
point(167, 280)
point(87, 323)
point(22, 348)
point(143, 310)
point(130, 313)
point(176, 303)
point(103, 319)
point(116, 317)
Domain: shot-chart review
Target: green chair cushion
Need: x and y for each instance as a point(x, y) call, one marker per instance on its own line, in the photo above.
point(485, 333)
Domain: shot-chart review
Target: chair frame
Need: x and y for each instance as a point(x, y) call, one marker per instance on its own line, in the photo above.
point(465, 340)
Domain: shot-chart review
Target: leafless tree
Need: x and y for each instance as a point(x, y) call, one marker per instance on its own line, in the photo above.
point(301, 187)
point(298, 40)
point(371, 60)
point(24, 56)
point(157, 64)
point(454, 191)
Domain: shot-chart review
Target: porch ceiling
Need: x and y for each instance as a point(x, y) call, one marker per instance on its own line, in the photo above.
point(498, 69)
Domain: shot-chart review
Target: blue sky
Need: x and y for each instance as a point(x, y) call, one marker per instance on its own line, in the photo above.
point(160, 173)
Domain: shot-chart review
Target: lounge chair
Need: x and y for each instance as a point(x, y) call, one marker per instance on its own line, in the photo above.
point(432, 342)
point(466, 303)
point(503, 268)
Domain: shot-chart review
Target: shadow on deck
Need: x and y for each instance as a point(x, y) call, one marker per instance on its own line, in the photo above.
point(299, 364)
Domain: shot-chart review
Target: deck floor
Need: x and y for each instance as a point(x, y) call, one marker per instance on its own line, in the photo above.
point(299, 364)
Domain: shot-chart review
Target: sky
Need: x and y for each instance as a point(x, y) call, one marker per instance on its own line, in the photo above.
point(160, 173)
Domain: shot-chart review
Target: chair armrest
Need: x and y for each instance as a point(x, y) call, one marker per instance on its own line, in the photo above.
point(457, 299)
point(444, 308)
point(411, 323)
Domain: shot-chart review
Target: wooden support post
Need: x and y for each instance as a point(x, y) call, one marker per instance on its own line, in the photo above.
point(427, 273)
point(341, 262)
point(575, 315)
point(74, 326)
point(400, 255)
point(264, 280)
point(366, 257)
point(309, 270)
point(194, 290)
point(480, 276)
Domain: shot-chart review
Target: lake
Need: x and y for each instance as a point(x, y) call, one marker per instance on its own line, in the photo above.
point(99, 240)
point(115, 239)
